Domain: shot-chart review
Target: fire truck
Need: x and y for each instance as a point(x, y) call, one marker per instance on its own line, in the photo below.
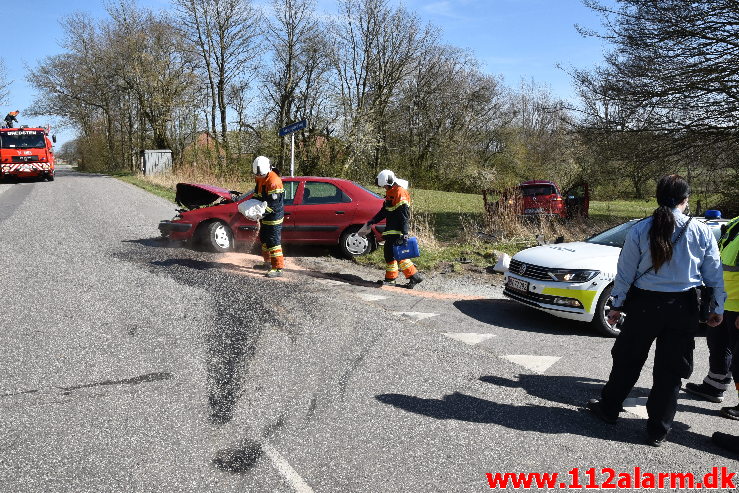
point(26, 153)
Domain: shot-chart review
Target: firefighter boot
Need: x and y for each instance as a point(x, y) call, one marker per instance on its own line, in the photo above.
point(415, 279)
point(274, 273)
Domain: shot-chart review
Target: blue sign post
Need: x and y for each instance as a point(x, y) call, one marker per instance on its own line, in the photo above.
point(291, 129)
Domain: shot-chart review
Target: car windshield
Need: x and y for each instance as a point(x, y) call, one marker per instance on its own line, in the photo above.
point(614, 237)
point(22, 139)
point(531, 191)
point(244, 195)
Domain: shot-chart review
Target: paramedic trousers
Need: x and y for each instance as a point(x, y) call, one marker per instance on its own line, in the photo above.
point(672, 320)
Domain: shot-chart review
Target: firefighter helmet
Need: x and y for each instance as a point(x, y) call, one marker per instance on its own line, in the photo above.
point(385, 177)
point(261, 166)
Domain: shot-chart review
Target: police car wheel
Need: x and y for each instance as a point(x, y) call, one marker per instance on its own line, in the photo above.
point(600, 319)
point(216, 237)
point(352, 245)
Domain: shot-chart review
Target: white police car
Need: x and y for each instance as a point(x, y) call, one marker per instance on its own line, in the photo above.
point(574, 280)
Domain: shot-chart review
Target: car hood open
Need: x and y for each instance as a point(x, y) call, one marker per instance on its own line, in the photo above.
point(194, 195)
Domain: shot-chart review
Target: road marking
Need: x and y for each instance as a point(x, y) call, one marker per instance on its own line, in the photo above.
point(471, 338)
point(537, 364)
point(331, 282)
point(293, 478)
point(371, 297)
point(636, 405)
point(414, 316)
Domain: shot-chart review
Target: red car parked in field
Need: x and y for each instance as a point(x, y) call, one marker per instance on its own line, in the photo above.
point(319, 211)
point(541, 198)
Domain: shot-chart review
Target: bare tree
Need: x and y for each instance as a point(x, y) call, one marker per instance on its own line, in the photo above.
point(295, 84)
point(375, 48)
point(226, 35)
point(4, 83)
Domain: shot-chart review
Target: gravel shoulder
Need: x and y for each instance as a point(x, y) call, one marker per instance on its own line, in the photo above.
point(473, 281)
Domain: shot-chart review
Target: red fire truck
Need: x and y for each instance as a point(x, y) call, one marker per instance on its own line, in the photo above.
point(26, 153)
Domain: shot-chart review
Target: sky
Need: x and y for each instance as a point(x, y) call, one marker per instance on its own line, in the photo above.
point(520, 40)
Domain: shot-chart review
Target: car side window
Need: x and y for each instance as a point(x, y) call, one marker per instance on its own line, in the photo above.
point(318, 192)
point(290, 188)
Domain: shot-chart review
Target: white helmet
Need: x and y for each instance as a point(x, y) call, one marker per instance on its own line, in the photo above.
point(260, 166)
point(385, 177)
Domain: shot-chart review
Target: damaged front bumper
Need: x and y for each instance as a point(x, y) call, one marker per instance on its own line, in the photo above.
point(167, 228)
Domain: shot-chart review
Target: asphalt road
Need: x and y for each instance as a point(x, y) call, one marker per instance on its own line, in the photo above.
point(133, 365)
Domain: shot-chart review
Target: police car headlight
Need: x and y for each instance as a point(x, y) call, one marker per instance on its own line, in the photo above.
point(572, 275)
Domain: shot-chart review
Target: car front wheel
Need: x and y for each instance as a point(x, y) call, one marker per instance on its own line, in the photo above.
point(352, 245)
point(217, 237)
point(600, 319)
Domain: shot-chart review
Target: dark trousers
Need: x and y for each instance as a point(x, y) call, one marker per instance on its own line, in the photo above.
point(387, 250)
point(722, 343)
point(672, 320)
point(270, 235)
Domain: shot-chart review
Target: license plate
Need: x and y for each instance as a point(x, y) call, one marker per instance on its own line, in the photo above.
point(533, 211)
point(517, 284)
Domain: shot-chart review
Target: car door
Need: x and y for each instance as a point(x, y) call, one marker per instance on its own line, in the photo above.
point(322, 212)
point(246, 230)
point(577, 200)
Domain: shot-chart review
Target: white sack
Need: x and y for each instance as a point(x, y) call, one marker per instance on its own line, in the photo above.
point(504, 262)
point(253, 209)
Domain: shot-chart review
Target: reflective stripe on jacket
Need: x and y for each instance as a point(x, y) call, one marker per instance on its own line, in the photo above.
point(269, 189)
point(395, 210)
point(729, 246)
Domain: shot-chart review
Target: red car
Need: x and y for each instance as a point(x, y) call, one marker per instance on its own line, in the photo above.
point(541, 198)
point(319, 211)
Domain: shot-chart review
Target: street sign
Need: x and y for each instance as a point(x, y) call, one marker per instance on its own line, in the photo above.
point(293, 127)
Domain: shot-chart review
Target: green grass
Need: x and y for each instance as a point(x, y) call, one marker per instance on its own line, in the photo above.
point(159, 190)
point(627, 209)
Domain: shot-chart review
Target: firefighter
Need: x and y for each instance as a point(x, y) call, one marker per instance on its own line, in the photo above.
point(396, 211)
point(269, 189)
point(10, 118)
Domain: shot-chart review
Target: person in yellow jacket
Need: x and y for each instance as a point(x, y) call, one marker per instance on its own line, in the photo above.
point(396, 212)
point(270, 190)
point(722, 340)
point(728, 354)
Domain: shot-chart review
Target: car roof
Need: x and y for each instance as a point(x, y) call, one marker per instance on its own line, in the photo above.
point(536, 182)
point(324, 178)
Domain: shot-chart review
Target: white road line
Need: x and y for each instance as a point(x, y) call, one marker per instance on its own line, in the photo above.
point(331, 282)
point(471, 338)
point(414, 316)
point(287, 472)
point(537, 364)
point(637, 406)
point(371, 297)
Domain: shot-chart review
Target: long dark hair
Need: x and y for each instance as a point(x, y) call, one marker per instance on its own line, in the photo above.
point(671, 191)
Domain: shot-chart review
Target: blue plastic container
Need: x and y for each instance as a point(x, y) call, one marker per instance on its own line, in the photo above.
point(409, 249)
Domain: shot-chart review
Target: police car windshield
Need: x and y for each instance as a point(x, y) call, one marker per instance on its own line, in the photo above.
point(614, 237)
point(22, 139)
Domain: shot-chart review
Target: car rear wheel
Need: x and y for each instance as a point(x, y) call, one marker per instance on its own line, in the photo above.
point(352, 245)
point(600, 319)
point(216, 237)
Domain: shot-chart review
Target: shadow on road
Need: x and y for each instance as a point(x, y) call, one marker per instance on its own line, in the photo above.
point(571, 391)
point(511, 315)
